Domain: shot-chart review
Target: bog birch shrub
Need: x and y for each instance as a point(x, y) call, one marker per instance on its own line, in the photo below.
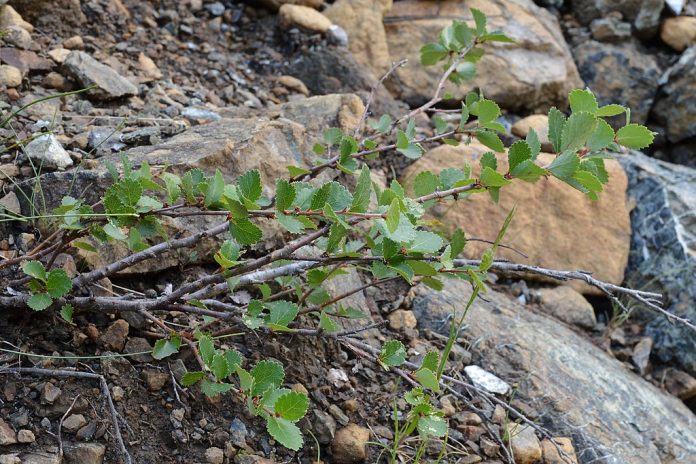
point(381, 231)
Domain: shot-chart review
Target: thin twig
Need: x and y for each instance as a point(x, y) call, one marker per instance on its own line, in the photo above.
point(373, 91)
point(60, 427)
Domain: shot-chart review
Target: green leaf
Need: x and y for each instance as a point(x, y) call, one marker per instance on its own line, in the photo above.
point(292, 406)
point(296, 171)
point(291, 223)
point(393, 353)
point(285, 194)
point(565, 165)
point(34, 269)
point(285, 432)
point(457, 243)
point(425, 242)
point(557, 122)
point(244, 231)
point(66, 312)
point(216, 186)
point(206, 349)
point(282, 312)
point(480, 21)
point(577, 130)
point(234, 359)
point(491, 178)
point(333, 193)
point(431, 53)
point(212, 389)
point(440, 124)
point(326, 323)
point(496, 37)
point(190, 378)
point(582, 100)
point(517, 153)
point(464, 117)
point(164, 348)
point(602, 136)
point(39, 301)
point(58, 283)
point(532, 140)
point(634, 136)
point(333, 135)
point(450, 176)
point(425, 183)
point(114, 232)
point(432, 426)
point(336, 234)
point(393, 215)
point(220, 367)
point(588, 180)
point(427, 379)
point(383, 125)
point(528, 171)
point(421, 268)
point(250, 184)
point(491, 140)
point(610, 110)
point(84, 246)
point(266, 374)
point(431, 360)
point(361, 197)
point(488, 111)
point(489, 160)
point(433, 283)
point(411, 150)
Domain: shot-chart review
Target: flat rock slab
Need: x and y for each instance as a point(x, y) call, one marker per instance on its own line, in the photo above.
point(612, 415)
point(663, 250)
point(89, 72)
point(24, 60)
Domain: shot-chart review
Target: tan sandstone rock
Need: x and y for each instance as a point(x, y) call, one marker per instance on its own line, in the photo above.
point(555, 225)
point(537, 71)
point(350, 444)
point(679, 32)
point(567, 305)
point(362, 20)
point(526, 448)
point(550, 453)
point(10, 17)
point(303, 16)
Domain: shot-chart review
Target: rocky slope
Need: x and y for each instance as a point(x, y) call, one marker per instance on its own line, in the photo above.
point(233, 86)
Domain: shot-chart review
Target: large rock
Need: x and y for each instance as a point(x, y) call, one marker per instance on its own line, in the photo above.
point(675, 105)
point(679, 32)
point(46, 151)
point(583, 392)
point(335, 70)
point(645, 13)
point(619, 73)
point(663, 250)
point(555, 225)
point(362, 20)
point(269, 143)
point(89, 72)
point(537, 71)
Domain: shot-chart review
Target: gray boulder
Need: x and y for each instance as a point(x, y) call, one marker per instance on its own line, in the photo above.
point(663, 249)
point(619, 73)
point(612, 415)
point(675, 106)
point(89, 72)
